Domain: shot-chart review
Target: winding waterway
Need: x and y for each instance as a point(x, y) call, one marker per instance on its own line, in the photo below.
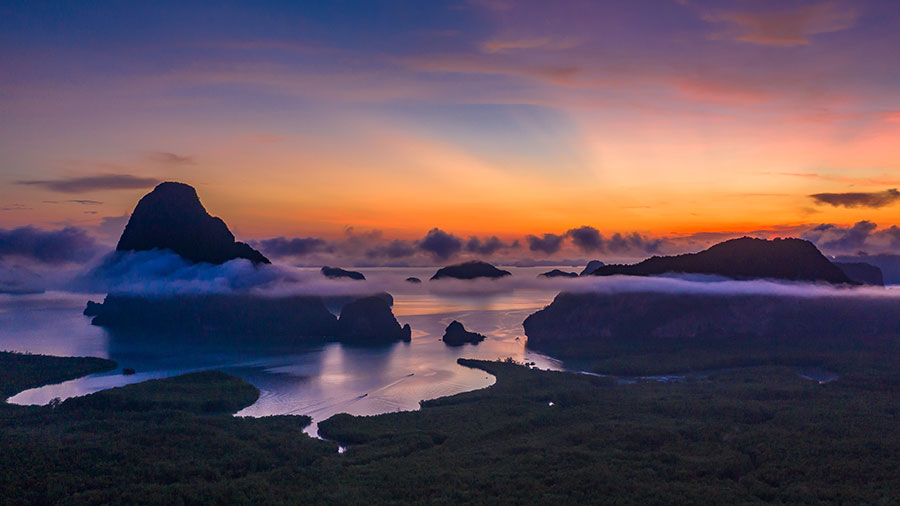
point(318, 381)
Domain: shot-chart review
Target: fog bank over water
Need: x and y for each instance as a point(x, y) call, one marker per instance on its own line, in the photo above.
point(713, 285)
point(160, 273)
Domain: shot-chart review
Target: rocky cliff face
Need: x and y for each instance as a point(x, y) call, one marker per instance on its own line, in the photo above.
point(370, 320)
point(172, 217)
point(744, 258)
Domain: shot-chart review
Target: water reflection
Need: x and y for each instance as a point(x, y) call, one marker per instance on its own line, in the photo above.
point(317, 380)
point(49, 324)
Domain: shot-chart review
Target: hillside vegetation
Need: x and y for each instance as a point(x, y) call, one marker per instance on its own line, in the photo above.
point(749, 436)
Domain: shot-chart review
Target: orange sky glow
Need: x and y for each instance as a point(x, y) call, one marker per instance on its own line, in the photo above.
point(481, 118)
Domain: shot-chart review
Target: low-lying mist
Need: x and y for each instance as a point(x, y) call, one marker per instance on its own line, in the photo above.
point(162, 273)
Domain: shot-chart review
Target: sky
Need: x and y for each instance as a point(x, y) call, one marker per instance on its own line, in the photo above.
point(380, 130)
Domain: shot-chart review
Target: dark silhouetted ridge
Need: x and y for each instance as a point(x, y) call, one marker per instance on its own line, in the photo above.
point(744, 258)
point(172, 217)
point(557, 273)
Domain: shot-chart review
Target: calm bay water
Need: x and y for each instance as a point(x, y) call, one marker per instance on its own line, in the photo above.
point(317, 381)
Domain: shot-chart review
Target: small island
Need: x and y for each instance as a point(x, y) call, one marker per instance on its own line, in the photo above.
point(337, 273)
point(470, 270)
point(413, 279)
point(557, 273)
point(744, 258)
point(457, 335)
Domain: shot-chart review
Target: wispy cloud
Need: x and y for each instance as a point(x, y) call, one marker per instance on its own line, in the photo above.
point(94, 183)
point(785, 27)
point(84, 202)
point(166, 158)
point(504, 45)
point(858, 199)
point(883, 179)
point(558, 73)
point(111, 227)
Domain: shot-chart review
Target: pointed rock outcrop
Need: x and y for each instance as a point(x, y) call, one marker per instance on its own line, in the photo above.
point(172, 217)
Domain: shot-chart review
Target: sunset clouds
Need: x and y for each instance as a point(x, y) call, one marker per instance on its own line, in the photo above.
point(500, 127)
point(785, 25)
point(858, 199)
point(88, 184)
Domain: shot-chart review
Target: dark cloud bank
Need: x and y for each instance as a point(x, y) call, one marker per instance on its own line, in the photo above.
point(547, 243)
point(70, 244)
point(298, 246)
point(590, 240)
point(59, 259)
point(861, 236)
point(371, 246)
point(32, 259)
point(441, 244)
point(437, 245)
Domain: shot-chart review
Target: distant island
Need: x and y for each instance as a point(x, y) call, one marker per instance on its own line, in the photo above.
point(363, 319)
point(172, 217)
point(862, 272)
point(743, 258)
point(591, 266)
point(889, 264)
point(413, 279)
point(470, 270)
point(337, 273)
point(457, 335)
point(557, 273)
point(599, 325)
